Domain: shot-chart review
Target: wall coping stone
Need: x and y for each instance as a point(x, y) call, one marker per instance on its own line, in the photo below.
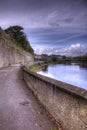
point(71, 89)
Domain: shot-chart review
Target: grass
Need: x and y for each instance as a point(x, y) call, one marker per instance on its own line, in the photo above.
point(36, 66)
point(55, 128)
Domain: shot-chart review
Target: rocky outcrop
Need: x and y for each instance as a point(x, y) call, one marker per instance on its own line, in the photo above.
point(10, 53)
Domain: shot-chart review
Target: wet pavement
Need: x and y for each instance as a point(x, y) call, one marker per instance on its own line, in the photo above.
point(19, 109)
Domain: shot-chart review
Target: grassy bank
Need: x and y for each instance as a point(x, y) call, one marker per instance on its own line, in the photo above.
point(37, 67)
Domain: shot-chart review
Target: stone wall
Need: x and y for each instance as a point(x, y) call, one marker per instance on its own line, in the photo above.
point(11, 54)
point(66, 103)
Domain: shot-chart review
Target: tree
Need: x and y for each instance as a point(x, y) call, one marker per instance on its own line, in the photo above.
point(64, 57)
point(16, 33)
point(53, 58)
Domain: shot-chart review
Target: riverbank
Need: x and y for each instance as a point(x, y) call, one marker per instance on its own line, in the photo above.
point(37, 67)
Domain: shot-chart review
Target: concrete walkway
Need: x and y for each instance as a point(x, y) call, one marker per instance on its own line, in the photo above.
point(19, 109)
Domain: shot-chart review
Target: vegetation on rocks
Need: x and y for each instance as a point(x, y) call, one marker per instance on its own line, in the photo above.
point(18, 36)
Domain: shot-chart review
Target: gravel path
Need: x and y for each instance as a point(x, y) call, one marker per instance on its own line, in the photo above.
point(19, 109)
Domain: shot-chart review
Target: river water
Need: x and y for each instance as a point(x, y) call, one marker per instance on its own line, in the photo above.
point(72, 74)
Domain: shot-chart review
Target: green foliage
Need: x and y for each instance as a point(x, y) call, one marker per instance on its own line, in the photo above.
point(16, 33)
point(36, 67)
point(54, 128)
point(64, 57)
point(53, 58)
point(84, 57)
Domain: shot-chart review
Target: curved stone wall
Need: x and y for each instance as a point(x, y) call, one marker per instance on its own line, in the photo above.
point(66, 103)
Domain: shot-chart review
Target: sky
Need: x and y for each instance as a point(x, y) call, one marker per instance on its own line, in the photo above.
point(52, 26)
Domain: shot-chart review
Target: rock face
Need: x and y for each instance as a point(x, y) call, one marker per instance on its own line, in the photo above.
point(10, 53)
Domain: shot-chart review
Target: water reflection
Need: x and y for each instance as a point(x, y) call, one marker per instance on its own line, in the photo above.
point(45, 69)
point(72, 74)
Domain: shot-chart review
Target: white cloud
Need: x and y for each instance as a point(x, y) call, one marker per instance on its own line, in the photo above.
point(76, 49)
point(72, 50)
point(76, 45)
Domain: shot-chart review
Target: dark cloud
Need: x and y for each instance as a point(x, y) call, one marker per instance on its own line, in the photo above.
point(54, 24)
point(43, 13)
point(68, 20)
point(57, 36)
point(47, 22)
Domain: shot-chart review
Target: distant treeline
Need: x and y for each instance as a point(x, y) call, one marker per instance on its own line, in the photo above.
point(60, 59)
point(83, 57)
